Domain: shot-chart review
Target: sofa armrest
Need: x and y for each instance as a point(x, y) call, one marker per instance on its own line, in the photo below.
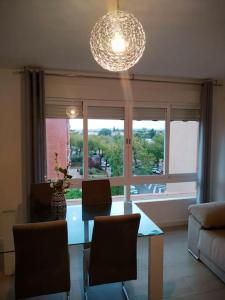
point(209, 215)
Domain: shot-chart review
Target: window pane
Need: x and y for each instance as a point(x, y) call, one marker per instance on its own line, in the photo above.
point(76, 193)
point(148, 147)
point(76, 147)
point(57, 140)
point(66, 138)
point(105, 148)
point(183, 147)
point(163, 191)
point(117, 193)
point(73, 194)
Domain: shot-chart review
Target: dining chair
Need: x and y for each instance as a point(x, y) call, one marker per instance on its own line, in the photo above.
point(89, 212)
point(96, 192)
point(112, 256)
point(40, 194)
point(42, 259)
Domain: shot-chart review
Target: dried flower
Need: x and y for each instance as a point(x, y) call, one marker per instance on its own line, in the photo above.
point(61, 184)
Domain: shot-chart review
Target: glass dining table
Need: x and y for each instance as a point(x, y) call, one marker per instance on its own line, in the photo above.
point(80, 221)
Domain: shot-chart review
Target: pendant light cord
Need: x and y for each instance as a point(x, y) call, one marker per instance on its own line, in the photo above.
point(117, 5)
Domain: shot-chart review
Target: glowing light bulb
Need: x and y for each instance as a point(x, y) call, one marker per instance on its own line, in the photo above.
point(118, 43)
point(71, 112)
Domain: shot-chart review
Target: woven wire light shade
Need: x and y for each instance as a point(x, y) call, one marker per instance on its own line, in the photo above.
point(117, 41)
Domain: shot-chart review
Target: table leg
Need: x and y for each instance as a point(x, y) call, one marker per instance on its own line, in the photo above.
point(155, 268)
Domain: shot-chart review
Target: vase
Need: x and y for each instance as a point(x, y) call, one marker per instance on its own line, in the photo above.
point(58, 206)
point(58, 200)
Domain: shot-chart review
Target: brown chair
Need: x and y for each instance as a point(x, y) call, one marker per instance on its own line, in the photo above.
point(41, 194)
point(96, 192)
point(42, 259)
point(89, 212)
point(113, 253)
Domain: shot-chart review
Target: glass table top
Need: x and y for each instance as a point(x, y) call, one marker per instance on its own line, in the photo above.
point(80, 220)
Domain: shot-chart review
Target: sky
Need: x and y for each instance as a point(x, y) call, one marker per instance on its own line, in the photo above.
point(77, 124)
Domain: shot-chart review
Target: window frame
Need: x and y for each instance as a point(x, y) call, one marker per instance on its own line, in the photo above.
point(128, 178)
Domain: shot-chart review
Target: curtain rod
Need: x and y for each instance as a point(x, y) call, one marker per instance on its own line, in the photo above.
point(131, 77)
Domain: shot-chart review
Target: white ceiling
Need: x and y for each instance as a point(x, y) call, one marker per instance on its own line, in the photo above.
point(185, 38)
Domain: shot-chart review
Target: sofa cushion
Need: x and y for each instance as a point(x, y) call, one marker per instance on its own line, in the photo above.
point(212, 245)
point(209, 215)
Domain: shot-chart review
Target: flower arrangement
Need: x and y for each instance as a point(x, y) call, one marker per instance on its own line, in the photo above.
point(60, 184)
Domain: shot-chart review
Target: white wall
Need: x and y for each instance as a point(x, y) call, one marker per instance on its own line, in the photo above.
point(10, 152)
point(10, 136)
point(218, 146)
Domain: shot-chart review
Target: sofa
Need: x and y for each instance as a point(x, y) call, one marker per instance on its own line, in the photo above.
point(206, 235)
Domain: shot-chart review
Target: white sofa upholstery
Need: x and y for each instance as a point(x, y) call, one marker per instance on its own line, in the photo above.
point(206, 235)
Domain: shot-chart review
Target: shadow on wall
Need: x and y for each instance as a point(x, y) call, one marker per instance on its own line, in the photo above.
point(7, 219)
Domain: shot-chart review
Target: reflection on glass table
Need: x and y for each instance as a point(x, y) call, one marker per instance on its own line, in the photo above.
point(80, 220)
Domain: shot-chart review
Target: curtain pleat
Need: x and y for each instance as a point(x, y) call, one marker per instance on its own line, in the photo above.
point(35, 125)
point(205, 136)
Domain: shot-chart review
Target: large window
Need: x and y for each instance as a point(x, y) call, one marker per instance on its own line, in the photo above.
point(147, 151)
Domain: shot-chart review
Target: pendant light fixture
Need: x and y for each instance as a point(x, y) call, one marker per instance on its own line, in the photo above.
point(117, 40)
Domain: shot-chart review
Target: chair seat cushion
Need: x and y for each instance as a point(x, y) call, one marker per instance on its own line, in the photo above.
point(212, 245)
point(209, 215)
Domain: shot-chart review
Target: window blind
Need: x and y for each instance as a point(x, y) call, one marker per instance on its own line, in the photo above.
point(184, 114)
point(106, 112)
point(57, 108)
point(147, 113)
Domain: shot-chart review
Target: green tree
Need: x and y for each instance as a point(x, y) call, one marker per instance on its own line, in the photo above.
point(94, 144)
point(76, 141)
point(76, 148)
point(115, 156)
point(105, 131)
point(157, 147)
point(117, 190)
point(144, 160)
point(73, 194)
point(152, 133)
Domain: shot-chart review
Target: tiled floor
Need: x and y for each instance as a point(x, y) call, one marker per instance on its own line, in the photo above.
point(184, 277)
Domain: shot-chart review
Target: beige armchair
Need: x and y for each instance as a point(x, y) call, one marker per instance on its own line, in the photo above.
point(206, 235)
